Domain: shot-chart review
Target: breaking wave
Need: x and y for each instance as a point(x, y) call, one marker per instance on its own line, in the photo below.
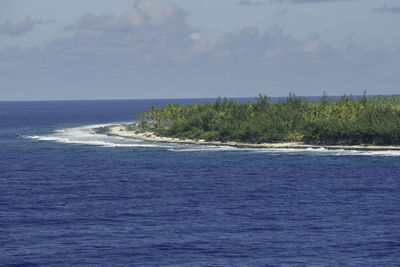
point(86, 135)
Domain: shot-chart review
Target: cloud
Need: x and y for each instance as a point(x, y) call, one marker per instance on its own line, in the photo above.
point(22, 27)
point(151, 30)
point(151, 51)
point(387, 9)
point(249, 3)
point(310, 1)
point(259, 2)
point(146, 14)
point(203, 43)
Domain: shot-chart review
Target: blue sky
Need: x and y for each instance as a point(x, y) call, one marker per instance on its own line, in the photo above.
point(101, 49)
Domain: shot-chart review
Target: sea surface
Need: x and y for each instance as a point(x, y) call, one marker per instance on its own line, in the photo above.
point(70, 197)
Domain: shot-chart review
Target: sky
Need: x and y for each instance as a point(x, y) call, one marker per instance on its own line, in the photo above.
point(127, 49)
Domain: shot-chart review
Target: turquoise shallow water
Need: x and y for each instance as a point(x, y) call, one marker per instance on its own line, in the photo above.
point(71, 197)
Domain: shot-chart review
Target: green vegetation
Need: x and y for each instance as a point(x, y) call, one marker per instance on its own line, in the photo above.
point(346, 121)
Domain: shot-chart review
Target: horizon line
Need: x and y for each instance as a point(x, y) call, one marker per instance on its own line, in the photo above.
point(182, 98)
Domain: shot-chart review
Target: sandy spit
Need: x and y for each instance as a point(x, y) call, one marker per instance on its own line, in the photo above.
point(120, 130)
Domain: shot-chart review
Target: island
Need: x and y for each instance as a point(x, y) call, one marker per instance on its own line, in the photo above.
point(346, 122)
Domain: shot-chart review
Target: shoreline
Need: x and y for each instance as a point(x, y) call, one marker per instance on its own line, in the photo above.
point(120, 131)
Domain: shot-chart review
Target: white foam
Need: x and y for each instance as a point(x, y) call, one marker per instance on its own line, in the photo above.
point(195, 148)
point(331, 152)
point(86, 135)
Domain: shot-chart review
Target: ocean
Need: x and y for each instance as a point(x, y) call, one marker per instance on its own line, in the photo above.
point(71, 197)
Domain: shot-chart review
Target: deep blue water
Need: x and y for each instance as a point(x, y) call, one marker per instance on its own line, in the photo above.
point(70, 197)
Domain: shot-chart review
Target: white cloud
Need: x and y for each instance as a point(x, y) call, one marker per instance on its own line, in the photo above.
point(249, 3)
point(152, 51)
point(147, 13)
point(310, 1)
point(203, 43)
point(387, 9)
point(22, 27)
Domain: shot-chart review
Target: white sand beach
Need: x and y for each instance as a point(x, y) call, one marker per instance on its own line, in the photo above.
point(120, 130)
